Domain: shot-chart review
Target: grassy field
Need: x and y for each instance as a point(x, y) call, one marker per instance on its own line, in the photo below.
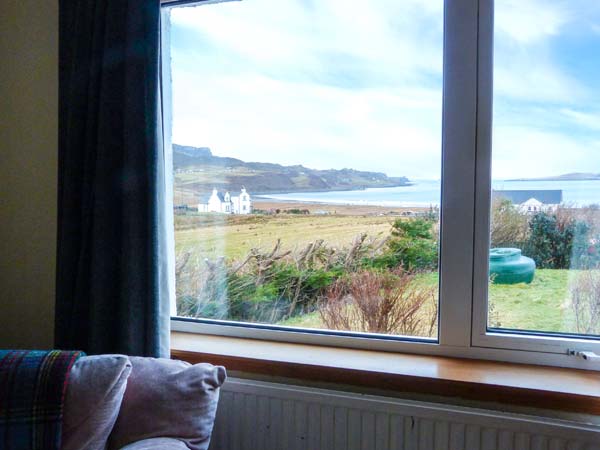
point(543, 305)
point(208, 236)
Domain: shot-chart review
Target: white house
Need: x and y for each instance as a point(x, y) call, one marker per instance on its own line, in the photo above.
point(532, 201)
point(226, 203)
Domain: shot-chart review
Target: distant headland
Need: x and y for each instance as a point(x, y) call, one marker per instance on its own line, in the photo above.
point(574, 176)
point(198, 170)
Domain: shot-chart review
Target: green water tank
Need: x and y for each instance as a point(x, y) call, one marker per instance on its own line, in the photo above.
point(508, 266)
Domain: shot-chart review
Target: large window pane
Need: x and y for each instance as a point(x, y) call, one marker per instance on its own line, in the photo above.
point(544, 265)
point(307, 153)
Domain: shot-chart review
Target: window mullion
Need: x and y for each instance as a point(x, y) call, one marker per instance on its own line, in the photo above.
point(483, 183)
point(458, 171)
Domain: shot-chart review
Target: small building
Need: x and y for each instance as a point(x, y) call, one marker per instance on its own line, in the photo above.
point(532, 201)
point(226, 203)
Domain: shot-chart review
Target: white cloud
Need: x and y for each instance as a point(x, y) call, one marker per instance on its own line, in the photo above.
point(587, 120)
point(400, 38)
point(349, 83)
point(526, 152)
point(396, 132)
point(536, 80)
point(528, 21)
point(530, 65)
point(291, 105)
point(242, 28)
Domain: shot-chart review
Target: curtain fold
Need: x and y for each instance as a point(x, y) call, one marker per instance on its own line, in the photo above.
point(112, 293)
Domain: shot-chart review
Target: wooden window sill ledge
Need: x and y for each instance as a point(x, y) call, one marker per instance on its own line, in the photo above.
point(571, 390)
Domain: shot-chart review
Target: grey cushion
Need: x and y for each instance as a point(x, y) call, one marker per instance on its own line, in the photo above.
point(168, 398)
point(156, 444)
point(94, 394)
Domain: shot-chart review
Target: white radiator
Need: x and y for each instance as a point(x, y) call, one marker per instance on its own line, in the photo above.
point(254, 415)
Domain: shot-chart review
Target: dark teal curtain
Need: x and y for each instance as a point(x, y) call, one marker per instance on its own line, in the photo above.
point(112, 276)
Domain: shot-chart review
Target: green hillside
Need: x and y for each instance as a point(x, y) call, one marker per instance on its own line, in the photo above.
point(198, 171)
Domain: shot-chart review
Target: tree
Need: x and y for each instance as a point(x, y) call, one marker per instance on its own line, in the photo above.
point(550, 241)
point(412, 246)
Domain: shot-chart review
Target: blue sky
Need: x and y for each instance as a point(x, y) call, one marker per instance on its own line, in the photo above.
point(348, 83)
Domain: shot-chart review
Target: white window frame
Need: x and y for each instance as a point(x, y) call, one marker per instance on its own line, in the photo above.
point(465, 213)
point(481, 336)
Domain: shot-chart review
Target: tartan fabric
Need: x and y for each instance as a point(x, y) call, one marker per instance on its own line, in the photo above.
point(32, 391)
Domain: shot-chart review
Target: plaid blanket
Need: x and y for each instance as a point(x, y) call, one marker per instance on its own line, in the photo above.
point(32, 391)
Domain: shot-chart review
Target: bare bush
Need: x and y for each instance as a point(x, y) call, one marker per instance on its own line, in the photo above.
point(314, 254)
point(201, 288)
point(589, 214)
point(509, 226)
point(585, 295)
point(264, 262)
point(181, 262)
point(266, 285)
point(375, 302)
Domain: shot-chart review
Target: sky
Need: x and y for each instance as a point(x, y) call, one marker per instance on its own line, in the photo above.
point(358, 84)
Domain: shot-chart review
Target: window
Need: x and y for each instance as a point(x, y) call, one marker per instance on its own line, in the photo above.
point(336, 137)
point(544, 268)
point(318, 198)
point(547, 162)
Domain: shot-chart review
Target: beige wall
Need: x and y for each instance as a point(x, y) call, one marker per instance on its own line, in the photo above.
point(28, 171)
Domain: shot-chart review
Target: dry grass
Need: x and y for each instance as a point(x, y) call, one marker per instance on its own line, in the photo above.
point(344, 210)
point(211, 236)
point(585, 292)
point(387, 303)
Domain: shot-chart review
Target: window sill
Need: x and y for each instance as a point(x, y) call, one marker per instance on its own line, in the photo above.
point(571, 390)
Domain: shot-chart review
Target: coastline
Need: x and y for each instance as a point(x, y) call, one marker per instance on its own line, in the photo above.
point(576, 194)
point(314, 207)
point(323, 191)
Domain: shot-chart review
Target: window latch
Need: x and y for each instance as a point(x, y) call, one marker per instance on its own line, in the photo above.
point(586, 355)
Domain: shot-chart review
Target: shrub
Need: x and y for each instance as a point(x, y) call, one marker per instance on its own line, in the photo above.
point(296, 211)
point(585, 301)
point(561, 242)
point(201, 291)
point(263, 287)
point(550, 242)
point(276, 285)
point(271, 286)
point(412, 246)
point(251, 303)
point(432, 214)
point(379, 302)
point(300, 288)
point(414, 228)
point(508, 225)
point(585, 250)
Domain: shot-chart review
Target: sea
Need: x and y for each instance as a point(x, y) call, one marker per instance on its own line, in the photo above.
point(576, 193)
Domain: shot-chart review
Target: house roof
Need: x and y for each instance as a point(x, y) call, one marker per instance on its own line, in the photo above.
point(204, 198)
point(544, 196)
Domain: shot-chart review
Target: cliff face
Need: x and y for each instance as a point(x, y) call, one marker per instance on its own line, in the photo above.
point(198, 170)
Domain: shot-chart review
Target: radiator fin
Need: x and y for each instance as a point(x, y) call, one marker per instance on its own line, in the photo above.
point(267, 416)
